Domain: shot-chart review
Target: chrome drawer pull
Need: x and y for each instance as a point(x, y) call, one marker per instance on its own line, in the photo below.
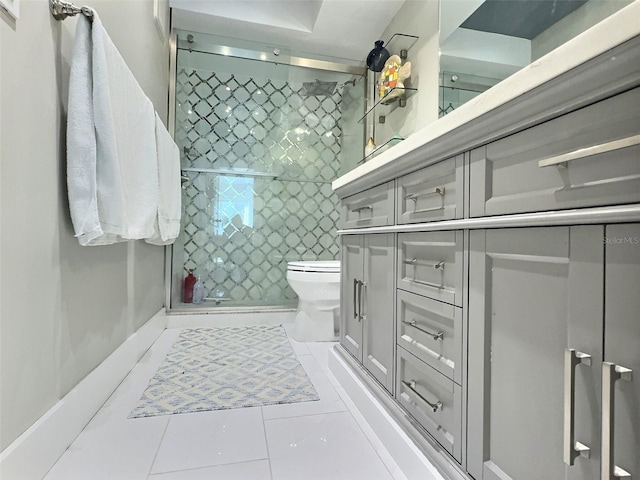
point(572, 448)
point(359, 209)
point(412, 386)
point(415, 196)
point(435, 336)
point(590, 151)
point(610, 374)
point(414, 261)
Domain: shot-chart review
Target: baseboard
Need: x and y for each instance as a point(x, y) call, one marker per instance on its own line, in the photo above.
point(425, 462)
point(34, 452)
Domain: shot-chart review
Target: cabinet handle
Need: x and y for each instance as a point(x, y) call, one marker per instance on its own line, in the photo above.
point(414, 261)
point(572, 448)
point(610, 374)
point(415, 196)
point(355, 299)
point(363, 290)
point(435, 336)
point(359, 209)
point(590, 151)
point(412, 386)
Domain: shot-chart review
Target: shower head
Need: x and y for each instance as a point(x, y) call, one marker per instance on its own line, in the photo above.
point(318, 88)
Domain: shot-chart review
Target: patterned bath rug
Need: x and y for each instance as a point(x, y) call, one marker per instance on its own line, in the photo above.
point(223, 368)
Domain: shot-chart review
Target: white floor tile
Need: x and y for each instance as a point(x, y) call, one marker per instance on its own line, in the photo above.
point(258, 470)
point(207, 439)
point(322, 447)
point(324, 440)
point(329, 401)
point(110, 448)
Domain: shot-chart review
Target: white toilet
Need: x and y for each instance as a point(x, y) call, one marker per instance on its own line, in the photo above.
point(317, 284)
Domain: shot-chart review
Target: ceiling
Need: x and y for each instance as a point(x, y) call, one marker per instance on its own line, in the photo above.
point(520, 18)
point(344, 29)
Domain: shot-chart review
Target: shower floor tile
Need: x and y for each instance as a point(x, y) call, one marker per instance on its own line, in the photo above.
point(240, 444)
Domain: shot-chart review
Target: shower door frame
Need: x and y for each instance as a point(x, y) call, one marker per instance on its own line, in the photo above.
point(171, 281)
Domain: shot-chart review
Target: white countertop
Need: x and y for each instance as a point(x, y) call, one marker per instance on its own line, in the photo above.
point(614, 30)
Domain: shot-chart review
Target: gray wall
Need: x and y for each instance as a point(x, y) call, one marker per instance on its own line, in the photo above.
point(63, 308)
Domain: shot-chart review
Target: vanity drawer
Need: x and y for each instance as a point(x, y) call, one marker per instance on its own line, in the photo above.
point(430, 264)
point(432, 399)
point(432, 331)
point(432, 193)
point(371, 208)
point(587, 158)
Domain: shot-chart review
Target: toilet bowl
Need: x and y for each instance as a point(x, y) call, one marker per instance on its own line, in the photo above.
point(317, 284)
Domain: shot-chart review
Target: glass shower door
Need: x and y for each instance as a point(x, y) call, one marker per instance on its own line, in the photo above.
point(261, 144)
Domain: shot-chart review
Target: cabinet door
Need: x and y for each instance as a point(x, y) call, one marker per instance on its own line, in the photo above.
point(379, 307)
point(533, 293)
point(621, 396)
point(351, 273)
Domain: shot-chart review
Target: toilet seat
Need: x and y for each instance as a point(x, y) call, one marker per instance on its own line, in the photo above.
point(327, 266)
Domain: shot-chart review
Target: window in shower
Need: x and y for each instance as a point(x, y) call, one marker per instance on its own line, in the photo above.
point(261, 144)
point(234, 203)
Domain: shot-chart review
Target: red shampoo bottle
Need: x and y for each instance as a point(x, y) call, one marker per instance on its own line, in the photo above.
point(187, 291)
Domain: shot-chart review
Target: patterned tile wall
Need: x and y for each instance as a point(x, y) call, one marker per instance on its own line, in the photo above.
point(240, 230)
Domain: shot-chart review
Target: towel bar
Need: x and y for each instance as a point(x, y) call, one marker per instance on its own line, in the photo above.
point(61, 10)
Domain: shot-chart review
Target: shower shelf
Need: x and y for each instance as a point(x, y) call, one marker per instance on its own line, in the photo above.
point(385, 146)
point(400, 43)
point(391, 104)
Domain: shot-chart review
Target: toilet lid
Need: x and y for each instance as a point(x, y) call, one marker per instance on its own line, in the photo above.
point(327, 266)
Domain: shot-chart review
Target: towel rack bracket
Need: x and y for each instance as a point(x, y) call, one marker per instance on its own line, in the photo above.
point(61, 10)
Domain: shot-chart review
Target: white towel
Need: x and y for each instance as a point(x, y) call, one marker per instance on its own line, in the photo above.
point(81, 140)
point(167, 226)
point(122, 166)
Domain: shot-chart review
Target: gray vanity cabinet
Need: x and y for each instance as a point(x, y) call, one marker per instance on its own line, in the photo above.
point(368, 284)
point(546, 400)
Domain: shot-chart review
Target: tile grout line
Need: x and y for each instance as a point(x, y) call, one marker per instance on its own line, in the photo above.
point(155, 457)
point(166, 427)
point(266, 442)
